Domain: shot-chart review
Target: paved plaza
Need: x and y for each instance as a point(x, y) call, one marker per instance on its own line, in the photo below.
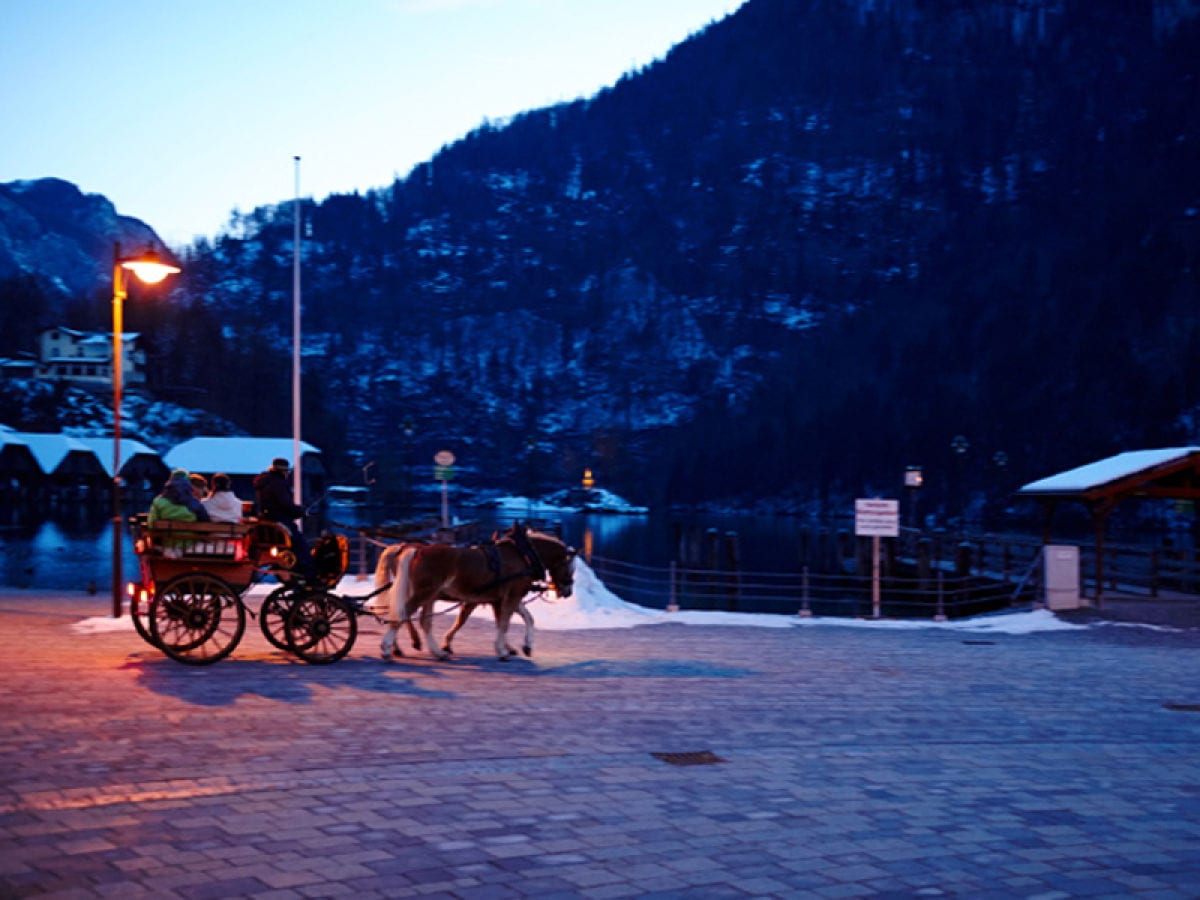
point(662, 761)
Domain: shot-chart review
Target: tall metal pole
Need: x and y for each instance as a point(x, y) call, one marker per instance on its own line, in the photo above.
point(118, 326)
point(298, 480)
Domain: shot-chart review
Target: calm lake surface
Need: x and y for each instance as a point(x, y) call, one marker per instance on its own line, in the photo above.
point(75, 552)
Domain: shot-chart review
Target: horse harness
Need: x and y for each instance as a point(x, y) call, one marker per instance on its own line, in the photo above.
point(535, 569)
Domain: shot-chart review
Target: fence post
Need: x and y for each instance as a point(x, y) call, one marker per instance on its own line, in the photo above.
point(673, 599)
point(940, 615)
point(805, 611)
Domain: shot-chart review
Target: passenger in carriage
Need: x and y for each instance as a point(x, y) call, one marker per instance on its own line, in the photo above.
point(199, 486)
point(223, 504)
point(273, 498)
point(177, 502)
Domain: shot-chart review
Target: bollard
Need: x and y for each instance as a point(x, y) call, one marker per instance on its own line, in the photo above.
point(805, 611)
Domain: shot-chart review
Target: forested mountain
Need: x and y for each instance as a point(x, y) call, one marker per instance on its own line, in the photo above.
point(812, 245)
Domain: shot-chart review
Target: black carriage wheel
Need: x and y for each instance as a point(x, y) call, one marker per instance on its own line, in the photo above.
point(272, 616)
point(139, 613)
point(321, 628)
point(196, 618)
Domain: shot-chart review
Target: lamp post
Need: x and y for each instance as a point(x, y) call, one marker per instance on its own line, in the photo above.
point(149, 267)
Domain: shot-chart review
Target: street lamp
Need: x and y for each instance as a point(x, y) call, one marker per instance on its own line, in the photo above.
point(149, 267)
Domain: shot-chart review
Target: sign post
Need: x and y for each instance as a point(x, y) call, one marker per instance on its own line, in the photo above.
point(875, 519)
point(443, 471)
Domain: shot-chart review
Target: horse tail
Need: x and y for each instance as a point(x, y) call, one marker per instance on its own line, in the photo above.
point(386, 564)
point(402, 584)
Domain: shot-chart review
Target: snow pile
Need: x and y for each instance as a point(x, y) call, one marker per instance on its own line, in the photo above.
point(592, 605)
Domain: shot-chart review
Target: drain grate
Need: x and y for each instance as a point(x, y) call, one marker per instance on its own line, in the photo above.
point(695, 758)
point(1182, 707)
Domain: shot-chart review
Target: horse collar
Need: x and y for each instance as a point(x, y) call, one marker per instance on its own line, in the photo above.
point(537, 568)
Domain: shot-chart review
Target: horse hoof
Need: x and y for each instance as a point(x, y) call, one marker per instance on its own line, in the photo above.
point(527, 650)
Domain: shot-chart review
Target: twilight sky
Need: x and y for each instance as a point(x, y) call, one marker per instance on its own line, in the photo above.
point(181, 112)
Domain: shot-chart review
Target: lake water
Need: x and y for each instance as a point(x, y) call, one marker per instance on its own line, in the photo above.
point(75, 552)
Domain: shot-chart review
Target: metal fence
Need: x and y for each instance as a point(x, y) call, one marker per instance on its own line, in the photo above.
point(955, 576)
point(938, 595)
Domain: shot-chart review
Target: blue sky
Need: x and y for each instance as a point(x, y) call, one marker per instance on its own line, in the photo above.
point(181, 112)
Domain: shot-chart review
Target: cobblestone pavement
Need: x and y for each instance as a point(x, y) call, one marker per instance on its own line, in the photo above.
point(827, 762)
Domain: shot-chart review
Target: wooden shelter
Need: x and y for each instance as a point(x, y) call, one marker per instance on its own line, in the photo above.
point(1166, 474)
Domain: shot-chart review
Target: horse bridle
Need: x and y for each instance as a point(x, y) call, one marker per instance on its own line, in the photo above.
point(536, 569)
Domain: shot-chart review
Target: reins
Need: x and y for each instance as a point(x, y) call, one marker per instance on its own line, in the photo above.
point(534, 569)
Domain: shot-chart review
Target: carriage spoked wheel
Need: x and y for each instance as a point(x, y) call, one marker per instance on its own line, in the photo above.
point(273, 614)
point(139, 612)
point(320, 627)
point(196, 618)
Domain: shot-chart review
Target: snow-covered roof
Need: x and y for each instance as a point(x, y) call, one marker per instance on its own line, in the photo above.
point(232, 455)
point(102, 447)
point(1106, 471)
point(51, 449)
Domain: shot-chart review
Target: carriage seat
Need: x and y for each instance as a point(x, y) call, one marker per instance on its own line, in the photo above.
point(197, 540)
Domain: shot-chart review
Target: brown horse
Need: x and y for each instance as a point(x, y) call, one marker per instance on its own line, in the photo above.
point(500, 574)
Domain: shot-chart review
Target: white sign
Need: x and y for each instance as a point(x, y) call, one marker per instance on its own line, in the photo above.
point(877, 518)
point(444, 458)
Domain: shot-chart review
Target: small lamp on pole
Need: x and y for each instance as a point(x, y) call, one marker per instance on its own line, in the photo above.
point(150, 268)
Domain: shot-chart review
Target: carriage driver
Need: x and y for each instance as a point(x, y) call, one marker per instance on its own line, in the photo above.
point(273, 498)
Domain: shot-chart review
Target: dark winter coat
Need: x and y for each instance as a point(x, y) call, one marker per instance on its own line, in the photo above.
point(274, 498)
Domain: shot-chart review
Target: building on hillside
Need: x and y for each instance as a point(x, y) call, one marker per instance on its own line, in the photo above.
point(85, 357)
point(243, 458)
point(23, 365)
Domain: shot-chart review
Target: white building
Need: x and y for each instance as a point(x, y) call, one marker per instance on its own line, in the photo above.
point(65, 354)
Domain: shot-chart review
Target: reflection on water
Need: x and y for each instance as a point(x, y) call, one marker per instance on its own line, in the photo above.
point(71, 551)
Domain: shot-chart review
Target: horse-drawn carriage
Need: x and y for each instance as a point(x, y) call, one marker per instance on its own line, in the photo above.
point(190, 601)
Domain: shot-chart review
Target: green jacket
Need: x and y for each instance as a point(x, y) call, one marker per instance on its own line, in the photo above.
point(164, 510)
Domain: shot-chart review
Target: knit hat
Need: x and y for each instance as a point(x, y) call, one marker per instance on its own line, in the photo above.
point(179, 475)
point(280, 463)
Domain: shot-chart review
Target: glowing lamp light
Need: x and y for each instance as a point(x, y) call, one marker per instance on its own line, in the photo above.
point(149, 267)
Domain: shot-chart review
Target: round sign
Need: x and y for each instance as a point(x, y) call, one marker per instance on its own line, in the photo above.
point(444, 458)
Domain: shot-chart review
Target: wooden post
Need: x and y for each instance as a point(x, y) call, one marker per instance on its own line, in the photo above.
point(734, 564)
point(875, 577)
point(673, 599)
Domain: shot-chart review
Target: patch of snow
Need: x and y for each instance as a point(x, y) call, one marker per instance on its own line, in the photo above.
point(594, 606)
